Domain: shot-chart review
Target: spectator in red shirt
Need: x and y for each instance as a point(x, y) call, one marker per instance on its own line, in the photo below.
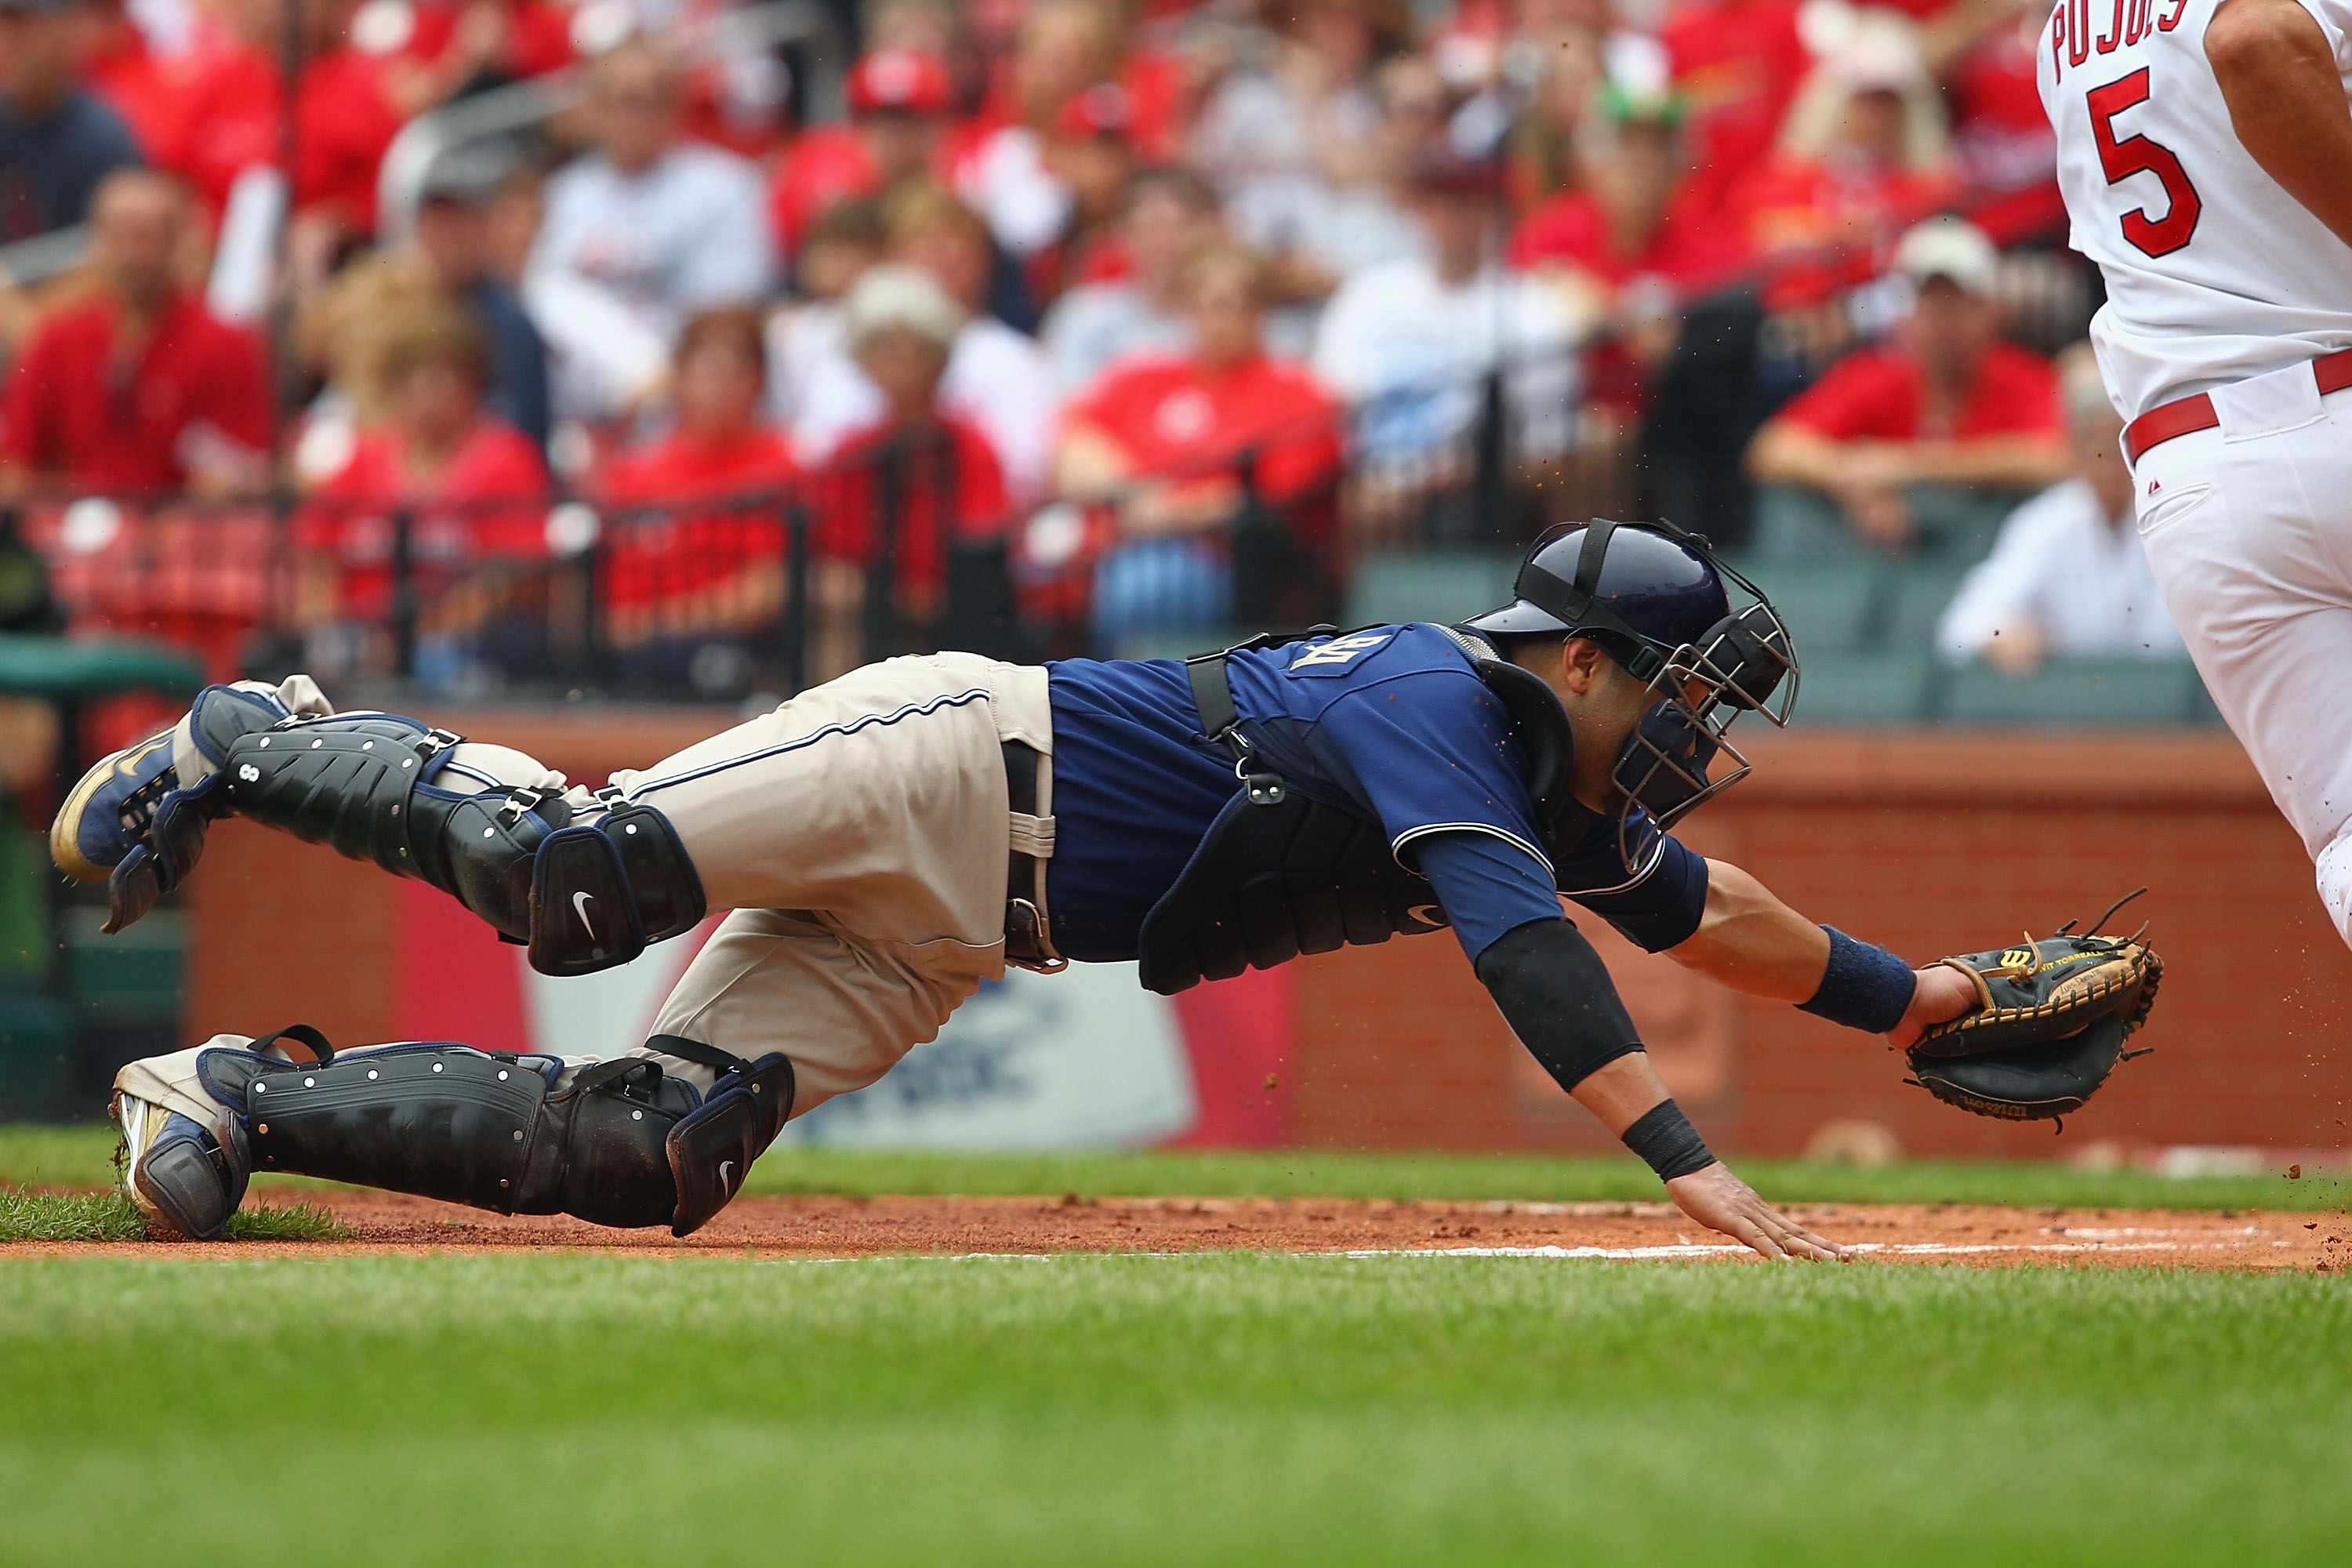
point(1628, 227)
point(683, 573)
point(898, 104)
point(1864, 156)
point(1162, 445)
point(1063, 47)
point(2008, 154)
point(1541, 149)
point(1164, 216)
point(1737, 63)
point(906, 488)
point(142, 83)
point(719, 446)
point(471, 486)
point(1632, 249)
point(138, 388)
point(344, 119)
point(1946, 404)
point(1089, 151)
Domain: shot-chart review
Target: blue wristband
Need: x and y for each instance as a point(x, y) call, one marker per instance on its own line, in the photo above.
point(1866, 987)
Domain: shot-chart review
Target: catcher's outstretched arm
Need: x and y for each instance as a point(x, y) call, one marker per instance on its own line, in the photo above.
point(1751, 942)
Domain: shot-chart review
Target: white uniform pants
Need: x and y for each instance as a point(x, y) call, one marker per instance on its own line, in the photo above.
point(2249, 529)
point(859, 833)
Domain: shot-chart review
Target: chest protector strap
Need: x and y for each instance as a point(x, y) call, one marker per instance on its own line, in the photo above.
point(1278, 875)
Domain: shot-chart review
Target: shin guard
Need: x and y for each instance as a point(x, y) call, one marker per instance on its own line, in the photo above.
point(584, 897)
point(623, 1144)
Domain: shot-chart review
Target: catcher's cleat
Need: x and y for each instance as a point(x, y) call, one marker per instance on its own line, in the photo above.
point(178, 1173)
point(137, 820)
point(109, 811)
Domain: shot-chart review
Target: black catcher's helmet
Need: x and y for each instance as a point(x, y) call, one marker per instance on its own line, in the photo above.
point(1659, 602)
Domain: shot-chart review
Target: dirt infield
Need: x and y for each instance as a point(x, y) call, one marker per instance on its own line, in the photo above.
point(830, 1226)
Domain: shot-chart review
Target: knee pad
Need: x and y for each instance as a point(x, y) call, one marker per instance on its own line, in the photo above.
point(623, 1144)
point(583, 898)
point(605, 889)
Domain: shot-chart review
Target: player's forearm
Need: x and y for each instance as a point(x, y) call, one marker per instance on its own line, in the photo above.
point(1751, 942)
point(1089, 465)
point(2020, 462)
point(2286, 102)
point(1621, 1092)
point(1786, 453)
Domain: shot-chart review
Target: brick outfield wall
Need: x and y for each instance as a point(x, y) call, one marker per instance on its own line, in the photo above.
point(1927, 842)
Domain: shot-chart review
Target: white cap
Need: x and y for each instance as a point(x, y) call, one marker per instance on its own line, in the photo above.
point(891, 295)
point(1949, 248)
point(1879, 53)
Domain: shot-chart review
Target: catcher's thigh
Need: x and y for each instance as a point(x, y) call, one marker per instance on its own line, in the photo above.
point(843, 1007)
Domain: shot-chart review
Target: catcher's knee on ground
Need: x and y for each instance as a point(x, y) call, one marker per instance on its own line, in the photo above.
point(617, 1142)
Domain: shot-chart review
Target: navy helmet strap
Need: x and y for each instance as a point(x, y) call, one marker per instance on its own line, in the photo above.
point(1578, 605)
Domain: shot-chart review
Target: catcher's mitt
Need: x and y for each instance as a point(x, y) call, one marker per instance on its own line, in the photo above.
point(2051, 1020)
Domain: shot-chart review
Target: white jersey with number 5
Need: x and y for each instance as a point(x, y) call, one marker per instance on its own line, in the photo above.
point(2215, 273)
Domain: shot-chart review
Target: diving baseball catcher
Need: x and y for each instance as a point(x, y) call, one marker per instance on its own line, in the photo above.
point(889, 840)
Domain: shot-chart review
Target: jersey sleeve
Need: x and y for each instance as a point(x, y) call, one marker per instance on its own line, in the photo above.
point(1485, 886)
point(1656, 911)
point(1433, 752)
point(2335, 20)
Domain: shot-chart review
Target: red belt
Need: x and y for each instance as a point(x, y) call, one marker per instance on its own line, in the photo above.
point(2187, 416)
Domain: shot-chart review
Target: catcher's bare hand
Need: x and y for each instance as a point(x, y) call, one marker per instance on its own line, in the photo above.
point(1721, 1201)
point(1943, 994)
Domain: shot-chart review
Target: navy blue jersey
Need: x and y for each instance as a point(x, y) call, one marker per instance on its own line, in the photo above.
point(1391, 724)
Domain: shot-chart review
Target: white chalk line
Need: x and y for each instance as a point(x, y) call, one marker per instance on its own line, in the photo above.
point(1605, 1254)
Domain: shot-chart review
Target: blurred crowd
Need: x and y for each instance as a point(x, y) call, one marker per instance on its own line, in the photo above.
point(1179, 308)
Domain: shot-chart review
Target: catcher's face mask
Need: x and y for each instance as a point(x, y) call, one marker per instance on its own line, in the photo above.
point(1661, 604)
point(1743, 664)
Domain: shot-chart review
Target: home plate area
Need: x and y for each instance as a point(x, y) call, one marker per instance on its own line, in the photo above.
point(832, 1226)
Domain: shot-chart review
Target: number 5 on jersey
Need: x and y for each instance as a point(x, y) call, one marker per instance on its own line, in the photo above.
point(2138, 155)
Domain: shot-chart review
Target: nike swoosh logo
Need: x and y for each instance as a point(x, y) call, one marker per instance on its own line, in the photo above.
point(580, 902)
point(126, 765)
point(726, 1184)
point(1428, 914)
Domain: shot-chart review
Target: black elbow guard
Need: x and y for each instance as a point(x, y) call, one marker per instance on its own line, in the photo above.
point(1557, 996)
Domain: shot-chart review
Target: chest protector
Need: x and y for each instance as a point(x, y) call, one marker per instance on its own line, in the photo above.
point(1278, 875)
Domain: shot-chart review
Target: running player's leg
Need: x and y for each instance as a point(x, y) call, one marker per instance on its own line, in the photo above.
point(2252, 544)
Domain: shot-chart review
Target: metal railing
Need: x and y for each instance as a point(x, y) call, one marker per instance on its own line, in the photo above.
point(708, 596)
point(877, 553)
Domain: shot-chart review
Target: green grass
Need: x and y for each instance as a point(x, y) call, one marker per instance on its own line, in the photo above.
point(111, 1216)
point(1318, 1173)
point(1224, 1409)
point(82, 1156)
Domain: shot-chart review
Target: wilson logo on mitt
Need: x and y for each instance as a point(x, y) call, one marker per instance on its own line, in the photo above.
point(2049, 1026)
